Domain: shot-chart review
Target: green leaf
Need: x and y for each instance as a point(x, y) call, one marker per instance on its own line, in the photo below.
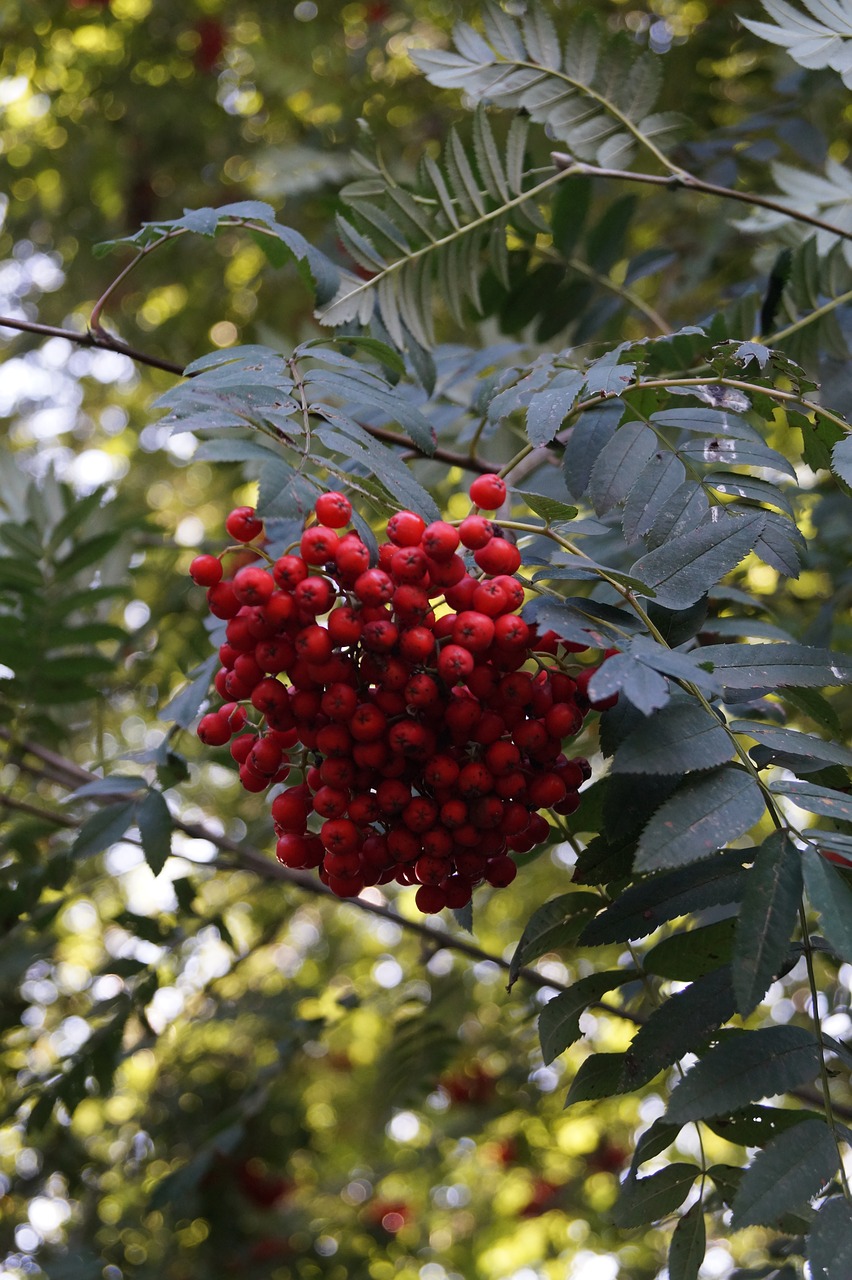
point(649, 1199)
point(187, 702)
point(643, 907)
point(830, 1241)
point(684, 509)
point(619, 465)
point(766, 666)
point(662, 476)
point(597, 1077)
point(767, 918)
point(704, 814)
point(103, 828)
point(745, 1067)
point(688, 1245)
point(677, 738)
point(684, 567)
point(790, 742)
point(831, 898)
point(820, 39)
point(691, 953)
point(155, 829)
point(679, 1026)
point(550, 509)
point(789, 1172)
point(841, 459)
point(553, 925)
point(754, 1126)
point(82, 554)
point(816, 799)
point(624, 674)
point(559, 1020)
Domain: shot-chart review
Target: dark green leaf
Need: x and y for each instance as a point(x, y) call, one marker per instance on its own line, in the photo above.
point(587, 437)
point(816, 799)
point(831, 898)
point(619, 465)
point(782, 1178)
point(155, 829)
point(688, 1246)
point(552, 926)
point(649, 1199)
point(704, 814)
point(85, 553)
point(622, 673)
point(653, 1142)
point(679, 737)
point(766, 666)
point(103, 828)
point(830, 1241)
point(684, 509)
point(115, 784)
point(597, 1077)
point(559, 1020)
point(679, 1026)
point(754, 1126)
point(745, 1067)
point(691, 953)
point(187, 702)
point(684, 567)
point(644, 906)
point(550, 509)
point(549, 407)
point(790, 742)
point(767, 919)
point(662, 476)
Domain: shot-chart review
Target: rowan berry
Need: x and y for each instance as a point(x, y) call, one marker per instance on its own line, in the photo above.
point(213, 730)
point(488, 492)
point(405, 529)
point(475, 532)
point(319, 545)
point(206, 571)
point(289, 571)
point(222, 600)
point(243, 525)
point(374, 586)
point(333, 509)
point(499, 556)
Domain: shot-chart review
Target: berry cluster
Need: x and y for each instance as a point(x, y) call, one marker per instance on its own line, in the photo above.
point(425, 717)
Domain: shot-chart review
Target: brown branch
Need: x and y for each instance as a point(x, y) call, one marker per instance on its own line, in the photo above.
point(249, 858)
point(102, 340)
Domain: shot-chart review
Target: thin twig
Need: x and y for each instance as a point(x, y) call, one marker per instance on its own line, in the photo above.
point(101, 340)
point(569, 165)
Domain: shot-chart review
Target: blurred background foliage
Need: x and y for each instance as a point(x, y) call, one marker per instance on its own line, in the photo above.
point(229, 1077)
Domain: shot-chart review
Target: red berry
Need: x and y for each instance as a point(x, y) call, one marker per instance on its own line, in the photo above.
point(213, 730)
point(206, 571)
point(333, 509)
point(475, 532)
point(498, 556)
point(430, 898)
point(319, 545)
point(405, 529)
point(488, 492)
point(222, 601)
point(243, 525)
point(253, 585)
point(439, 541)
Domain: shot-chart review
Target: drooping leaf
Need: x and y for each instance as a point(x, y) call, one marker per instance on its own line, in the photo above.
point(684, 567)
point(820, 39)
point(688, 1244)
point(103, 828)
point(830, 1241)
point(745, 1067)
point(598, 1076)
point(550, 509)
point(624, 674)
point(791, 1169)
point(831, 898)
point(552, 926)
point(647, 1199)
point(155, 830)
point(187, 702)
point(703, 814)
point(767, 919)
point(559, 1020)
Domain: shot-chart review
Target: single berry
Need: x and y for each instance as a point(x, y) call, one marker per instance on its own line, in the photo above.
point(206, 571)
point(243, 525)
point(488, 492)
point(333, 510)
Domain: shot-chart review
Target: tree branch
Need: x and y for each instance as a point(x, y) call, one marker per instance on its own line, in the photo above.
point(672, 181)
point(101, 339)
